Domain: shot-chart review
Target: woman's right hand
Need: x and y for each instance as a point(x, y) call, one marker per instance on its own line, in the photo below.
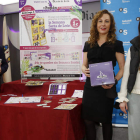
point(86, 71)
point(123, 107)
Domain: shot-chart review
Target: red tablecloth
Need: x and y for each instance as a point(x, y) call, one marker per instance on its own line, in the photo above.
point(29, 122)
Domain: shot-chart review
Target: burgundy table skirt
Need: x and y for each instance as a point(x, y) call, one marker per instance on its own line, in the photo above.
point(30, 122)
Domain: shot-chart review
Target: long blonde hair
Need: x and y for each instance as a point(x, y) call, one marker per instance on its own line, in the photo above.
point(94, 35)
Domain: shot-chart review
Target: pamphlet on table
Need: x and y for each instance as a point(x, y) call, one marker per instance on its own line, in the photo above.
point(78, 93)
point(14, 100)
point(57, 89)
point(66, 106)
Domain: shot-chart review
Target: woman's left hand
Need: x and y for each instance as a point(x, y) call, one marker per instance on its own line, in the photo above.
point(107, 86)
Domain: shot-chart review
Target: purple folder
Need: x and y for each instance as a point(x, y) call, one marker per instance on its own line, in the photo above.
point(101, 73)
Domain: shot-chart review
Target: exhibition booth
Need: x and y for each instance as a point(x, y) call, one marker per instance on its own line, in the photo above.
point(43, 43)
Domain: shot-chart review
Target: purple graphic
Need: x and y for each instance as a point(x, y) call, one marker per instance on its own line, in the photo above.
point(101, 73)
point(51, 29)
point(78, 2)
point(30, 65)
point(22, 3)
point(57, 89)
point(50, 4)
point(48, 55)
point(52, 10)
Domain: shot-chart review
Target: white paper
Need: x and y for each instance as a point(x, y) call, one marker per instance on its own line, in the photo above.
point(78, 93)
point(13, 100)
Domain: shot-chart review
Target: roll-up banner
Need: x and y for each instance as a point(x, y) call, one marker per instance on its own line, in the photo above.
point(127, 16)
point(50, 38)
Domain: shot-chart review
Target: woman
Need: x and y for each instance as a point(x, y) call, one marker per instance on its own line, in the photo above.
point(101, 46)
point(131, 85)
point(3, 62)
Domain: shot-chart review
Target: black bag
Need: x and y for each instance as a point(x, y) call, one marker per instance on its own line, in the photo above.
point(111, 93)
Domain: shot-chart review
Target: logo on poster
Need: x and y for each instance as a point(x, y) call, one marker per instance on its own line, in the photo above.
point(125, 53)
point(101, 75)
point(121, 114)
point(108, 1)
point(138, 18)
point(126, 21)
point(27, 73)
point(78, 2)
point(126, 43)
point(28, 12)
point(125, 1)
point(75, 22)
point(125, 116)
point(123, 31)
point(124, 10)
point(22, 3)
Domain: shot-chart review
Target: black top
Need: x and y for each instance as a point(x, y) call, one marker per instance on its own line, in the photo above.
point(105, 52)
point(134, 63)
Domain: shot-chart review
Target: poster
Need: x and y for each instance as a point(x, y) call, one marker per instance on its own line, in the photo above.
point(127, 15)
point(50, 38)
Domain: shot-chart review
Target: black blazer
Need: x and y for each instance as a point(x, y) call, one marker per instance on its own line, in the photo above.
point(4, 65)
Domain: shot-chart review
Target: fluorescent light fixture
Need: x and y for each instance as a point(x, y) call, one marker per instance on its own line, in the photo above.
point(4, 2)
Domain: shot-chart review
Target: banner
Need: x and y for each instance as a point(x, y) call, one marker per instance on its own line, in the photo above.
point(50, 38)
point(127, 16)
point(7, 74)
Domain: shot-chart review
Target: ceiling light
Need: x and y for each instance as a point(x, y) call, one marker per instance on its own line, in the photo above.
point(5, 2)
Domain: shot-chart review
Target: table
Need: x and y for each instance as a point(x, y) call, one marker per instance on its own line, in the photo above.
point(30, 122)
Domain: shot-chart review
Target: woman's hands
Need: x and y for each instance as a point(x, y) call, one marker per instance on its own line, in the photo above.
point(0, 68)
point(86, 71)
point(123, 107)
point(107, 86)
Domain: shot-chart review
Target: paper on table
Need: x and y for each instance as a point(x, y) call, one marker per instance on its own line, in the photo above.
point(66, 106)
point(57, 89)
point(78, 93)
point(12, 100)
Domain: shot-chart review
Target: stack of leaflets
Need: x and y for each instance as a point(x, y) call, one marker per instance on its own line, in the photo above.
point(67, 100)
point(66, 106)
point(34, 83)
